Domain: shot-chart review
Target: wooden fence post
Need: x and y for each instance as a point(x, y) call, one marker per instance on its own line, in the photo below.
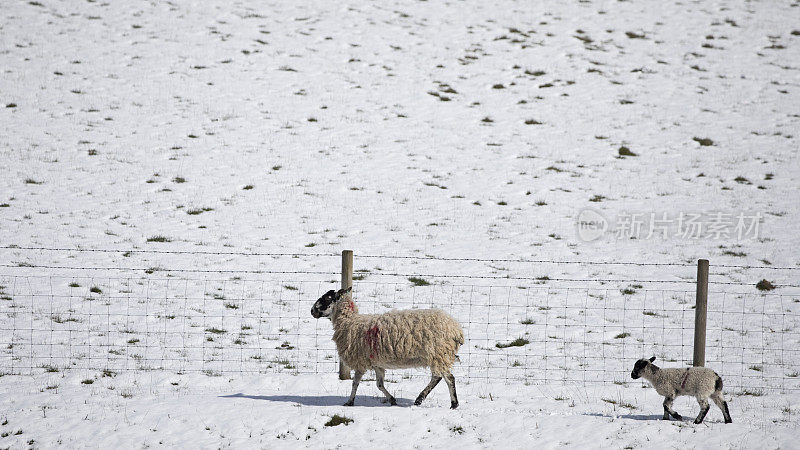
point(700, 314)
point(347, 281)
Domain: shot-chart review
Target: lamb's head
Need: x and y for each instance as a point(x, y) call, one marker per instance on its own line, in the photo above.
point(325, 305)
point(640, 366)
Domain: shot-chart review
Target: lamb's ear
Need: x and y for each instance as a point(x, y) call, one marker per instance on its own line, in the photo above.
point(652, 359)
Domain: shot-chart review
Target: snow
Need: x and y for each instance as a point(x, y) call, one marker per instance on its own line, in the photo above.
point(453, 129)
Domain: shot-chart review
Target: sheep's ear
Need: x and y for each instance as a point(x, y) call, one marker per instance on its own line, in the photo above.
point(341, 292)
point(652, 359)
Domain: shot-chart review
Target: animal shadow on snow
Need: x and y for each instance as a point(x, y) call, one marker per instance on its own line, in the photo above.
point(321, 400)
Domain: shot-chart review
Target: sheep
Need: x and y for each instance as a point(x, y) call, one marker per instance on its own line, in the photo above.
point(700, 382)
point(394, 340)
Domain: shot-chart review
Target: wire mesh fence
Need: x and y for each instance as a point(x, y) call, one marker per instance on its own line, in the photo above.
point(521, 329)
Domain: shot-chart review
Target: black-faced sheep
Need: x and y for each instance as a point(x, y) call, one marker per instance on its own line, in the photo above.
point(699, 382)
point(394, 340)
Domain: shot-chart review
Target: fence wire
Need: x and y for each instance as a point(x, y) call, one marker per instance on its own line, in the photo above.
point(518, 332)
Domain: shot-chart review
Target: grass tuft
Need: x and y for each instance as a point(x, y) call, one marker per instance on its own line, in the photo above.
point(704, 142)
point(764, 285)
point(338, 420)
point(419, 281)
point(518, 342)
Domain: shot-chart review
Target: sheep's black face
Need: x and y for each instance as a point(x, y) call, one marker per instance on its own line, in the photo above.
point(640, 366)
point(324, 306)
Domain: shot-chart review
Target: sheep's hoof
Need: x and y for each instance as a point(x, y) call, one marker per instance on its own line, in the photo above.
point(677, 416)
point(453, 405)
point(417, 402)
point(728, 421)
point(392, 402)
point(697, 421)
point(348, 403)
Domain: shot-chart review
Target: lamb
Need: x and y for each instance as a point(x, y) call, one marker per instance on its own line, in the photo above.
point(700, 382)
point(394, 340)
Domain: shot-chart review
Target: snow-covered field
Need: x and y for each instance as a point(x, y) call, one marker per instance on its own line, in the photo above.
point(192, 135)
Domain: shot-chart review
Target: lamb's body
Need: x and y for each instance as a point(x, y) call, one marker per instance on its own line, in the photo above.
point(394, 340)
point(699, 382)
point(694, 381)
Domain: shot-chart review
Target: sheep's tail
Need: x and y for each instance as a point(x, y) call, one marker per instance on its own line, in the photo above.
point(718, 384)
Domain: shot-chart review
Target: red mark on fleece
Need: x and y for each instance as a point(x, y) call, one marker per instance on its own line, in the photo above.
point(685, 377)
point(372, 335)
point(351, 306)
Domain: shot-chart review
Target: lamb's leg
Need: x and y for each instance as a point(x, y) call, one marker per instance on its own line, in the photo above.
point(703, 409)
point(723, 405)
point(668, 411)
point(356, 379)
point(451, 385)
point(434, 381)
point(379, 375)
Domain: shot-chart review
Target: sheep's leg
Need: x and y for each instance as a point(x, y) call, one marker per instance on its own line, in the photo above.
point(379, 375)
point(451, 385)
point(434, 381)
point(668, 411)
point(703, 410)
point(723, 405)
point(356, 379)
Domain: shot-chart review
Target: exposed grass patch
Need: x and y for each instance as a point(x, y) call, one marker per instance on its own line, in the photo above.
point(705, 142)
point(457, 429)
point(527, 321)
point(215, 330)
point(597, 198)
point(96, 290)
point(764, 285)
point(634, 35)
point(338, 420)
point(625, 151)
point(196, 211)
point(87, 381)
point(518, 342)
point(622, 335)
point(158, 238)
point(532, 122)
point(535, 73)
point(752, 393)
point(619, 403)
point(419, 281)
point(179, 180)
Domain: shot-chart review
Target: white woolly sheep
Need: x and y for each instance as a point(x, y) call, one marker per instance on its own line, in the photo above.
point(394, 340)
point(700, 382)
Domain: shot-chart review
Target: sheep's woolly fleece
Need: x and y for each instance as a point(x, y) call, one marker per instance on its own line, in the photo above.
point(397, 339)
